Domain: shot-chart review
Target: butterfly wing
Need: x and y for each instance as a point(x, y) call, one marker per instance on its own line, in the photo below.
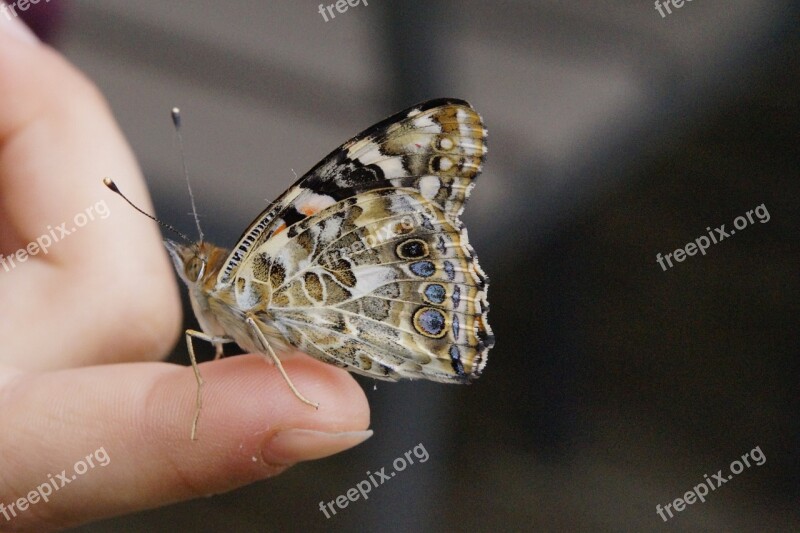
point(383, 283)
point(364, 262)
point(436, 148)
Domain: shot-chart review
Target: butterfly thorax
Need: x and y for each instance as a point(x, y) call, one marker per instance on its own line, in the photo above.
point(214, 303)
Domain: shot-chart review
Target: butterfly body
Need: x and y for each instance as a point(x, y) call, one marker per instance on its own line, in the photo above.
point(363, 263)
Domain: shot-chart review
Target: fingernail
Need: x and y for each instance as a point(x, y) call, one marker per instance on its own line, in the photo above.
point(11, 24)
point(294, 445)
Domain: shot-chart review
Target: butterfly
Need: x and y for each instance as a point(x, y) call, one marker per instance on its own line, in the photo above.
point(363, 263)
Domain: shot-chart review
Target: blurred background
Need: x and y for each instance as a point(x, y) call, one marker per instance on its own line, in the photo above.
point(616, 133)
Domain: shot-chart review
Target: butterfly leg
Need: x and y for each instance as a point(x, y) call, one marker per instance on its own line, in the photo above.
point(219, 352)
point(217, 342)
point(265, 343)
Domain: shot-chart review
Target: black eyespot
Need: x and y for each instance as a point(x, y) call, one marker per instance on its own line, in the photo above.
point(412, 249)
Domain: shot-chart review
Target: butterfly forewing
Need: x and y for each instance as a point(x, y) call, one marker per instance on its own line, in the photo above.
point(436, 147)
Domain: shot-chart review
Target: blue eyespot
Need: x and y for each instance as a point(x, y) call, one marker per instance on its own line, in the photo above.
point(435, 293)
point(430, 322)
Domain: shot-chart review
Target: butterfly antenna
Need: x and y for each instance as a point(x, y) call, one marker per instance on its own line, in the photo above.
point(176, 121)
point(108, 182)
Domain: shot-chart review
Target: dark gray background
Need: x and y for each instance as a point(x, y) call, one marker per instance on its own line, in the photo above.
point(615, 134)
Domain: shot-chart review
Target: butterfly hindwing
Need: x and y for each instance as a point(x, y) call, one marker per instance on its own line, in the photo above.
point(382, 283)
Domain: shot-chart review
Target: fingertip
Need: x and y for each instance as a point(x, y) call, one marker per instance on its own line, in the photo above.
point(249, 390)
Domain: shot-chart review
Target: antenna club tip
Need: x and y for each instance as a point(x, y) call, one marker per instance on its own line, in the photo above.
point(176, 117)
point(108, 182)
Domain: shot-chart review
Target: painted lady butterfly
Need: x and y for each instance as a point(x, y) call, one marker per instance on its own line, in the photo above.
point(363, 263)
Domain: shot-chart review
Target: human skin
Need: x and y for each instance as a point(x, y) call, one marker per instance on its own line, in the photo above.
point(83, 327)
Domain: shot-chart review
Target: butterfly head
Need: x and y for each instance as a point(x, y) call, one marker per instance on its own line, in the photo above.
point(197, 264)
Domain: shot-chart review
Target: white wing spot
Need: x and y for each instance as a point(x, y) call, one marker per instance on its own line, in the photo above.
point(365, 153)
point(392, 168)
point(429, 186)
point(469, 148)
point(426, 121)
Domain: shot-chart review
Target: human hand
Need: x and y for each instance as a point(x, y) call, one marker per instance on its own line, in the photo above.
point(104, 295)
